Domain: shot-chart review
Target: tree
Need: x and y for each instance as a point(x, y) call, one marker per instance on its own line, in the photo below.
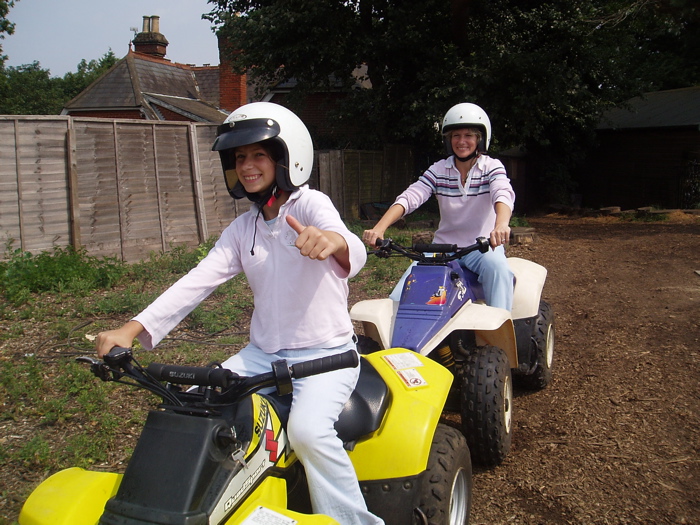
point(5, 25)
point(74, 83)
point(30, 90)
point(545, 72)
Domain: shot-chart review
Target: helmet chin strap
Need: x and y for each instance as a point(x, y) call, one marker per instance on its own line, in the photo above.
point(274, 194)
point(468, 157)
point(268, 198)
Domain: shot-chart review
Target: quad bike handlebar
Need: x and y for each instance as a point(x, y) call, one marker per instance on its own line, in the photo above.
point(119, 365)
point(429, 253)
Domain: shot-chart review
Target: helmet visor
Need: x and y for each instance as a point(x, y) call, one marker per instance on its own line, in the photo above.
point(244, 132)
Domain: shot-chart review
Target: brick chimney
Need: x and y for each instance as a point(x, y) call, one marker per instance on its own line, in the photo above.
point(232, 86)
point(150, 41)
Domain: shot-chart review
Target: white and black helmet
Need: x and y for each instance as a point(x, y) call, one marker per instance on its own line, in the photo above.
point(280, 130)
point(467, 115)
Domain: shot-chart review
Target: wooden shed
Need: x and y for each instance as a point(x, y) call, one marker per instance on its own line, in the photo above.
point(648, 154)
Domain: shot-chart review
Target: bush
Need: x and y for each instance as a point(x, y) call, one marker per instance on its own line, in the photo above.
point(63, 270)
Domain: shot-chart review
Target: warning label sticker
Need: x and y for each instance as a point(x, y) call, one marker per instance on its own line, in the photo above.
point(402, 361)
point(263, 516)
point(411, 377)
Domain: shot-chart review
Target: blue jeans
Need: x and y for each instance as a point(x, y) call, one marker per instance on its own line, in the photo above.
point(316, 404)
point(494, 275)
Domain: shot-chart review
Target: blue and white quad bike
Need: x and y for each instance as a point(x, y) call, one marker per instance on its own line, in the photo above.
point(441, 314)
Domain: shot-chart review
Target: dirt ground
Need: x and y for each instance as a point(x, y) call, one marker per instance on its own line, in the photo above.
point(615, 438)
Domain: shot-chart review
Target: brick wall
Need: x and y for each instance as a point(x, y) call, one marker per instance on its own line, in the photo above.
point(232, 87)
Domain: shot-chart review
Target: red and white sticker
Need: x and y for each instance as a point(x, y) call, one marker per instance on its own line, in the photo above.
point(411, 377)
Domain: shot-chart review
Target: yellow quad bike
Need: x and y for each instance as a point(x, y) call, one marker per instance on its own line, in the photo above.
point(441, 314)
point(219, 454)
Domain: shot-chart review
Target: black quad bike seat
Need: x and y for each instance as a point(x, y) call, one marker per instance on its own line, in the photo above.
point(364, 411)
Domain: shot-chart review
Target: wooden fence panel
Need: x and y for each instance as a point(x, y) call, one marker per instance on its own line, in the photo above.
point(331, 179)
point(10, 228)
point(397, 172)
point(138, 191)
point(125, 188)
point(44, 210)
point(98, 198)
point(176, 186)
point(220, 208)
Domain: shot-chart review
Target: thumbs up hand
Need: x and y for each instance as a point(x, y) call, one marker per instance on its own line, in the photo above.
point(314, 243)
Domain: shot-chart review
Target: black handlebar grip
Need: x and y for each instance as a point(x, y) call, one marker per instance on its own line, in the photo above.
point(483, 244)
point(349, 359)
point(191, 375)
point(436, 248)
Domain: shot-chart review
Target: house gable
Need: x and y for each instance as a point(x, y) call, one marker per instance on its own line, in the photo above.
point(146, 85)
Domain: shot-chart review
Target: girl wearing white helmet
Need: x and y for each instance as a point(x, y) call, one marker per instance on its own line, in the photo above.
point(297, 255)
point(475, 198)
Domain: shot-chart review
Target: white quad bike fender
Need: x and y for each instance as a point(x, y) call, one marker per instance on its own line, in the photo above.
point(377, 317)
point(529, 281)
point(492, 326)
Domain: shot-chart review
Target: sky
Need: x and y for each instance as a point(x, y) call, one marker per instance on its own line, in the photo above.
point(60, 33)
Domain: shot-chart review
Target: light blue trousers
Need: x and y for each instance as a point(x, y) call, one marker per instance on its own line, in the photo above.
point(494, 275)
point(316, 404)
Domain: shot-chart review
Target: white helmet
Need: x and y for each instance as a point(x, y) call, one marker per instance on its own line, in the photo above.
point(282, 131)
point(467, 115)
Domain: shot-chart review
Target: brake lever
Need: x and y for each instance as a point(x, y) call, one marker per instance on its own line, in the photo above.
point(98, 367)
point(87, 359)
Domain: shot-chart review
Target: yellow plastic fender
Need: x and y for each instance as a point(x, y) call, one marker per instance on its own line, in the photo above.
point(418, 390)
point(74, 496)
point(267, 504)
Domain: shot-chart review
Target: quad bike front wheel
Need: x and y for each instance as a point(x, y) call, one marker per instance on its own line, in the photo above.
point(543, 339)
point(446, 495)
point(486, 404)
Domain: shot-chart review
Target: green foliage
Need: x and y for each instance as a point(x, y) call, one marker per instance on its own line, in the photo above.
point(57, 396)
point(75, 395)
point(231, 299)
point(643, 216)
point(65, 270)
point(31, 90)
point(161, 267)
point(518, 221)
point(545, 72)
point(5, 25)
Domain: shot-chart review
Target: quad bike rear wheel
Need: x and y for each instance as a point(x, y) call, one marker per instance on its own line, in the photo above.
point(486, 401)
point(367, 345)
point(446, 495)
point(543, 339)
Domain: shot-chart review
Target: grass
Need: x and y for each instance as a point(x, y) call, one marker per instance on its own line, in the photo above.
point(53, 412)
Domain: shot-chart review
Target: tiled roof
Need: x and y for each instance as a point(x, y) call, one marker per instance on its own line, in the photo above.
point(208, 82)
point(197, 110)
point(172, 85)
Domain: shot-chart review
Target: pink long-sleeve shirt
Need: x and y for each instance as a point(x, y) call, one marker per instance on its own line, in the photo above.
point(466, 211)
point(299, 302)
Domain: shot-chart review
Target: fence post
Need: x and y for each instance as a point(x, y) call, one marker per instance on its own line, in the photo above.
point(336, 174)
point(197, 184)
point(117, 171)
point(73, 201)
point(159, 199)
point(18, 173)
